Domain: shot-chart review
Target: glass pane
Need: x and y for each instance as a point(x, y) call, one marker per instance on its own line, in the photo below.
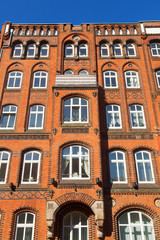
point(148, 172)
point(113, 172)
point(145, 219)
point(35, 156)
point(148, 232)
point(43, 82)
point(4, 120)
point(28, 234)
point(66, 233)
point(124, 233)
point(3, 172)
point(136, 233)
point(75, 150)
point(11, 82)
point(32, 120)
point(11, 121)
point(83, 101)
point(29, 218)
point(83, 220)
point(20, 232)
point(75, 101)
point(66, 151)
point(28, 156)
point(141, 172)
point(67, 220)
point(123, 219)
point(146, 156)
point(39, 120)
point(65, 167)
point(75, 167)
point(34, 172)
point(75, 218)
point(17, 83)
point(66, 114)
point(83, 233)
point(36, 82)
point(21, 218)
point(134, 217)
point(26, 172)
point(76, 234)
point(121, 172)
point(84, 114)
point(67, 102)
point(75, 113)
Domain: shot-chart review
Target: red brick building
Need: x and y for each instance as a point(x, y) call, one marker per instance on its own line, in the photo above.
point(79, 131)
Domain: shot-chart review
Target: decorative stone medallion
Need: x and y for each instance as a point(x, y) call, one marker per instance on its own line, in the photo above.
point(76, 38)
point(157, 202)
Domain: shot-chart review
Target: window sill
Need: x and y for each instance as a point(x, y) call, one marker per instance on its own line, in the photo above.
point(75, 125)
point(28, 186)
point(34, 131)
point(38, 89)
point(133, 89)
point(111, 89)
point(12, 90)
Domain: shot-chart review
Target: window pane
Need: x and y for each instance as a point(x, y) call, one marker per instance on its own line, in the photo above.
point(148, 172)
point(75, 167)
point(21, 218)
point(39, 120)
point(29, 218)
point(113, 172)
point(75, 150)
point(26, 172)
point(11, 121)
point(32, 120)
point(148, 233)
point(20, 232)
point(123, 219)
point(66, 233)
point(65, 167)
point(34, 172)
point(75, 218)
point(3, 172)
point(84, 233)
point(84, 114)
point(83, 220)
point(124, 233)
point(134, 218)
point(141, 172)
point(4, 120)
point(28, 234)
point(67, 220)
point(76, 234)
point(121, 172)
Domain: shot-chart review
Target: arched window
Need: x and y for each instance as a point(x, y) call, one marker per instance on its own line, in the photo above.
point(134, 30)
point(75, 162)
point(41, 32)
point(110, 79)
point(34, 31)
point(131, 50)
point(27, 32)
point(104, 50)
point(105, 32)
point(55, 32)
point(48, 31)
point(83, 72)
point(44, 49)
point(137, 116)
point(113, 31)
point(144, 167)
point(31, 163)
point(127, 31)
point(68, 72)
point(158, 78)
point(36, 117)
point(69, 50)
point(31, 50)
point(17, 50)
point(75, 226)
point(117, 167)
point(83, 50)
point(40, 79)
point(135, 226)
point(8, 117)
point(132, 80)
point(4, 163)
point(25, 226)
point(75, 110)
point(113, 116)
point(155, 49)
point(117, 50)
point(20, 31)
point(14, 79)
point(120, 31)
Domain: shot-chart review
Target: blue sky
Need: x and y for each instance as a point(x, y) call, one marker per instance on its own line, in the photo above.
point(77, 12)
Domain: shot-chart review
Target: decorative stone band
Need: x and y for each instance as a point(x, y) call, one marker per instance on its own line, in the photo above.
point(76, 81)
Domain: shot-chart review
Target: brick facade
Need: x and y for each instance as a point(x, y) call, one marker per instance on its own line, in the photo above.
point(100, 195)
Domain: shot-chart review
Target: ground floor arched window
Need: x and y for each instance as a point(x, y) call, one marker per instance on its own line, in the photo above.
point(135, 226)
point(75, 226)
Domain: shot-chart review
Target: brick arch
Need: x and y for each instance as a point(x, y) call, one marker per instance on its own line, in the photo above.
point(75, 197)
point(106, 68)
point(14, 217)
point(141, 208)
point(134, 66)
point(73, 206)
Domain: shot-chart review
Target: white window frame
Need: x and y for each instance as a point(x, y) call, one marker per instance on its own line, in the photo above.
point(7, 164)
point(70, 158)
point(31, 162)
point(17, 47)
point(72, 226)
point(83, 46)
point(14, 81)
point(131, 46)
point(110, 76)
point(8, 113)
point(117, 162)
point(40, 79)
point(79, 107)
point(31, 46)
point(113, 113)
point(155, 47)
point(131, 225)
point(137, 112)
point(104, 46)
point(45, 47)
point(132, 75)
point(158, 78)
point(69, 46)
point(25, 225)
point(117, 46)
point(36, 112)
point(144, 162)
